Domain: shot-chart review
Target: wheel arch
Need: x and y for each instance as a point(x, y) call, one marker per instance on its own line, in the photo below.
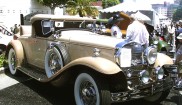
point(17, 46)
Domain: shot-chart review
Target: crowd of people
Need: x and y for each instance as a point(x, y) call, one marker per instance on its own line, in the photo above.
point(137, 32)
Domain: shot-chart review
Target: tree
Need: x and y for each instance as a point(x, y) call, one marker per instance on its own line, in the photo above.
point(177, 15)
point(109, 3)
point(81, 7)
point(52, 4)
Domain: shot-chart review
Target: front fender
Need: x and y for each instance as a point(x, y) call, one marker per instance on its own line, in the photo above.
point(17, 46)
point(162, 59)
point(99, 64)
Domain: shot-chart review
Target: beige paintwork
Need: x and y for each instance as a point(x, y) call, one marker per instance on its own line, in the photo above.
point(17, 46)
point(79, 45)
point(162, 59)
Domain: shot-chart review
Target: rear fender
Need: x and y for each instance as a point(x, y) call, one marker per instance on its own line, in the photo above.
point(17, 46)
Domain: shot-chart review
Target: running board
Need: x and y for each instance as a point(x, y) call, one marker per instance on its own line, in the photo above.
point(34, 73)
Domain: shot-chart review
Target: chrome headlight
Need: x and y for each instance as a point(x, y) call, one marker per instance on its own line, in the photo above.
point(151, 54)
point(144, 76)
point(159, 73)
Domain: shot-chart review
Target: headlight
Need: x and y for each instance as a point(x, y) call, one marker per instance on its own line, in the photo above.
point(144, 76)
point(151, 54)
point(159, 73)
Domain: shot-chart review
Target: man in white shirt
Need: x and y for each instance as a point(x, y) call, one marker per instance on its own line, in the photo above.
point(137, 32)
point(115, 30)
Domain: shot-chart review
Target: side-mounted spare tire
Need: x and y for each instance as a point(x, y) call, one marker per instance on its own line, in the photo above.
point(55, 59)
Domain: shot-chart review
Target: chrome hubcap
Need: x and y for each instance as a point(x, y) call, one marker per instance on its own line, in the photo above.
point(13, 61)
point(87, 93)
point(54, 63)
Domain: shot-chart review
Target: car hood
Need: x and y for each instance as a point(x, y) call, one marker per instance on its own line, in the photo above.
point(90, 38)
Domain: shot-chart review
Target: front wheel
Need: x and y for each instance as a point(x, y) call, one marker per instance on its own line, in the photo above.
point(158, 97)
point(89, 90)
point(12, 62)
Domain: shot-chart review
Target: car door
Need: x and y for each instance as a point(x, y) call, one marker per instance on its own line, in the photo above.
point(39, 48)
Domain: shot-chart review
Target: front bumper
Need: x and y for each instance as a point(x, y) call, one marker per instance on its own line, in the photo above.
point(141, 91)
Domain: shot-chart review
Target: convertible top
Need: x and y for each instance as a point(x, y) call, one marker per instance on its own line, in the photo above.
point(60, 18)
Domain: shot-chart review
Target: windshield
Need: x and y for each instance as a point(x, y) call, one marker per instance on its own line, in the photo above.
point(76, 25)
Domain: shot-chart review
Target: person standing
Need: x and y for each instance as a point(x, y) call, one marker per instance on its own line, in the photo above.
point(115, 30)
point(137, 32)
point(171, 34)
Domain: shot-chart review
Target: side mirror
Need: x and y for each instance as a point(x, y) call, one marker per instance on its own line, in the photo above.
point(47, 27)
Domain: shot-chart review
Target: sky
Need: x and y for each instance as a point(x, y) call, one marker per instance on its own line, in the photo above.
point(153, 1)
point(161, 1)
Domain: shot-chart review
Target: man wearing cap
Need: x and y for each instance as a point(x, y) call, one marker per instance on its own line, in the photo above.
point(137, 32)
point(115, 30)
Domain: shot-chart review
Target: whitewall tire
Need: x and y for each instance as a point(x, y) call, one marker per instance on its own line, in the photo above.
point(12, 61)
point(88, 91)
point(53, 61)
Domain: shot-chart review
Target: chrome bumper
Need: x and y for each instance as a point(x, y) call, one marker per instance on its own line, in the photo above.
point(140, 92)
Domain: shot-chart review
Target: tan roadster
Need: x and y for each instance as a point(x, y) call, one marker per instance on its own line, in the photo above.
point(66, 50)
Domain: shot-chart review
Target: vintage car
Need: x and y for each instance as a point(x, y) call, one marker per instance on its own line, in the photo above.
point(66, 50)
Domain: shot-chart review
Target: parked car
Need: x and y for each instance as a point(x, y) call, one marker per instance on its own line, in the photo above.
point(5, 37)
point(101, 69)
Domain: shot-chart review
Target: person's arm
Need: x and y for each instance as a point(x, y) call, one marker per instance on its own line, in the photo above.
point(128, 34)
point(146, 35)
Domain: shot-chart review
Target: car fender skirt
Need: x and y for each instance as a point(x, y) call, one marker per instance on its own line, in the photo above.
point(17, 45)
point(162, 59)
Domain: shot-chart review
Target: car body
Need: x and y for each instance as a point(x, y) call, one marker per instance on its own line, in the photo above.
point(102, 69)
point(5, 37)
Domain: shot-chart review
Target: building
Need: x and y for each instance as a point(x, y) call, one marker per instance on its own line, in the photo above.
point(10, 10)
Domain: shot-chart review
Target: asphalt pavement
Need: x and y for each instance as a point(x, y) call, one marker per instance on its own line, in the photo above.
point(24, 90)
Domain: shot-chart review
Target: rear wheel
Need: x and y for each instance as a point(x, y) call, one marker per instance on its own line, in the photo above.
point(12, 62)
point(89, 90)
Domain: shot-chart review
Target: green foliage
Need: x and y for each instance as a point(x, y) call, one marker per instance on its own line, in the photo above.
point(2, 60)
point(109, 3)
point(180, 3)
point(81, 7)
point(178, 14)
point(52, 4)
